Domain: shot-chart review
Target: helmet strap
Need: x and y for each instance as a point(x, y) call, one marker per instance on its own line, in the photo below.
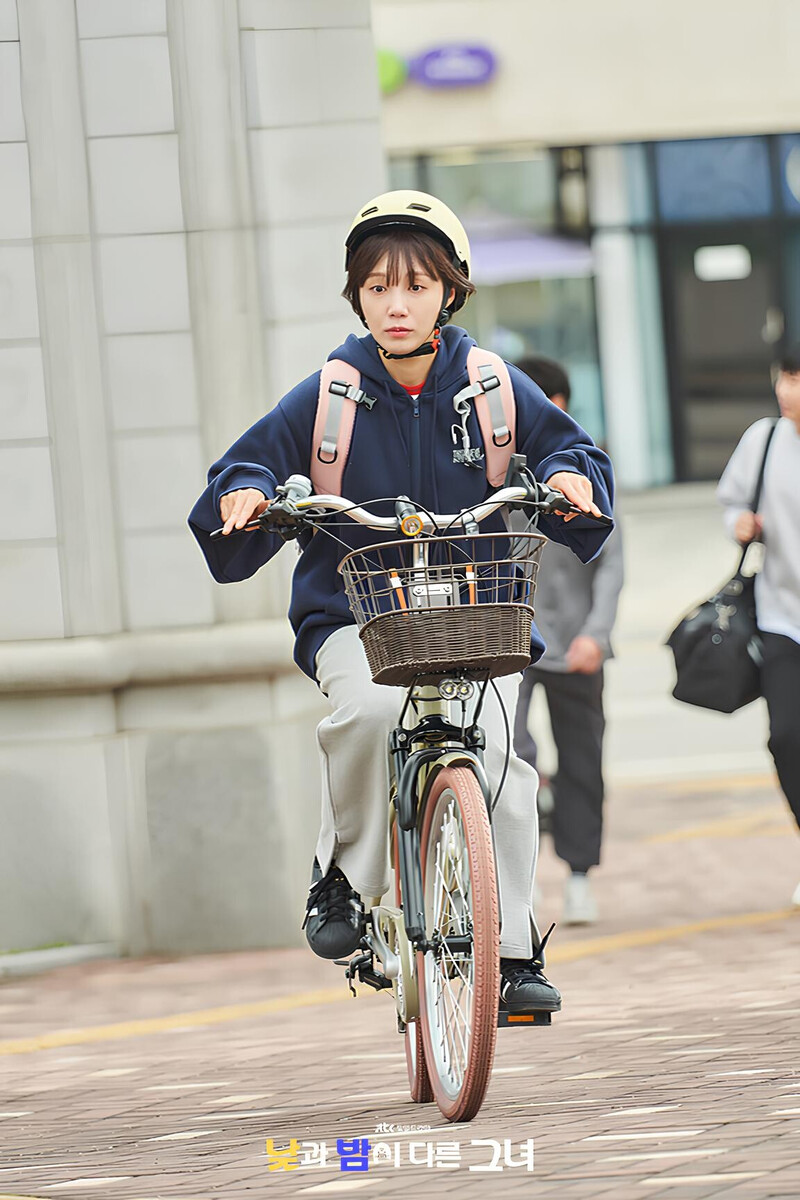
point(429, 347)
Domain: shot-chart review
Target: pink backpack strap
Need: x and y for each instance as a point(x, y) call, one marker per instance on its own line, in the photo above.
point(339, 394)
point(495, 408)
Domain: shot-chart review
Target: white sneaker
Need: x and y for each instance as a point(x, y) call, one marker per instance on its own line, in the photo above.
point(580, 906)
point(796, 897)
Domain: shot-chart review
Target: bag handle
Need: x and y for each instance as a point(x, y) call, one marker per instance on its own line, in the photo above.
point(757, 493)
point(760, 484)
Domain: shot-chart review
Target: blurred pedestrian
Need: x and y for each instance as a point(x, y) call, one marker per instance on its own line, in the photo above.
point(576, 605)
point(777, 524)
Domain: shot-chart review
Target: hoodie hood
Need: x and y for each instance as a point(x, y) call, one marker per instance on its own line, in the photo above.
point(446, 370)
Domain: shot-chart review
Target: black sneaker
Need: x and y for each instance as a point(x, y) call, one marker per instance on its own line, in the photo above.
point(334, 914)
point(523, 987)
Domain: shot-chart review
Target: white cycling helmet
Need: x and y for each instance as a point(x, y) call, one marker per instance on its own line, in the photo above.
point(414, 210)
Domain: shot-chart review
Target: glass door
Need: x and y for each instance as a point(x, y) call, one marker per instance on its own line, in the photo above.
point(724, 322)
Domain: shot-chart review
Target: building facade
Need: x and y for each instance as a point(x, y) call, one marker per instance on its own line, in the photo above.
point(631, 178)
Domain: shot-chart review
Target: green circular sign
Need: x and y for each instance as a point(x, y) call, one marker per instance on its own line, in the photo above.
point(392, 71)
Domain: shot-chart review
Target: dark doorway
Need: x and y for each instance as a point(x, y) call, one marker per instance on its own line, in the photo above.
point(724, 320)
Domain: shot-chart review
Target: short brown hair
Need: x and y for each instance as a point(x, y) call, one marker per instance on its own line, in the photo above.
point(407, 251)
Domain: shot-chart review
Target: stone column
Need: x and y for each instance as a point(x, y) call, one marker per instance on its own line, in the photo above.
point(67, 309)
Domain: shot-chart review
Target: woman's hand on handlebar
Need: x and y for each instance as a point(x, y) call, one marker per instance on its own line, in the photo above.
point(237, 508)
point(577, 489)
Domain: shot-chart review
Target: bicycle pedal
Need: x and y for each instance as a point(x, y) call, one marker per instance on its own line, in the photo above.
point(362, 965)
point(379, 982)
point(506, 1019)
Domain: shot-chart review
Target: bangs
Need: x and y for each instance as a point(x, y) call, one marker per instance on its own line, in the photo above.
point(407, 255)
point(406, 261)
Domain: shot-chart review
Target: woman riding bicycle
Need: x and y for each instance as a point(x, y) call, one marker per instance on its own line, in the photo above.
point(408, 265)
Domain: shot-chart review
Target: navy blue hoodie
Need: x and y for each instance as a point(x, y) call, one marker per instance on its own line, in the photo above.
point(399, 447)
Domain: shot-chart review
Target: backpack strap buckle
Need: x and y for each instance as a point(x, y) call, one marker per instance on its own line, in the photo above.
point(339, 387)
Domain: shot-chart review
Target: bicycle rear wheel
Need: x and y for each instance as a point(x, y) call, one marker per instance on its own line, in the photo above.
point(418, 1078)
point(459, 985)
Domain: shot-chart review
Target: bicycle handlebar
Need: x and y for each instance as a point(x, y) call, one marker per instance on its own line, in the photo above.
point(295, 505)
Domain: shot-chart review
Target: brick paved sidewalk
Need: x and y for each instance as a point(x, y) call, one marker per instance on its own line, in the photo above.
point(673, 1071)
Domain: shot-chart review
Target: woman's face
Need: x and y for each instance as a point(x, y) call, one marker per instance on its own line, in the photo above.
point(401, 315)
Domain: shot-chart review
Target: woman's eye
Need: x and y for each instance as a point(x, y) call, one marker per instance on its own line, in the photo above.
point(378, 288)
point(417, 287)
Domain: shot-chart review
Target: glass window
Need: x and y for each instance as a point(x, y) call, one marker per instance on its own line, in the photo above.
point(403, 173)
point(480, 185)
point(789, 151)
point(713, 179)
point(792, 270)
point(551, 317)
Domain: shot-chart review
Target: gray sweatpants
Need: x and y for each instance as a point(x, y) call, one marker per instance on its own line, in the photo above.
point(355, 782)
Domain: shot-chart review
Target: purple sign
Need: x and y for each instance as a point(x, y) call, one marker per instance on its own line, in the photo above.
point(454, 66)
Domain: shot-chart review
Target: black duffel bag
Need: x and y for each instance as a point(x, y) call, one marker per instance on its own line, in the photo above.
point(717, 646)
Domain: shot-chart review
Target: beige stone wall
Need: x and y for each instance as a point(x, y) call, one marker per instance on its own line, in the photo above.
point(173, 202)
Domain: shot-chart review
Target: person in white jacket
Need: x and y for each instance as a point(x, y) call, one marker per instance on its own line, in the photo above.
point(777, 524)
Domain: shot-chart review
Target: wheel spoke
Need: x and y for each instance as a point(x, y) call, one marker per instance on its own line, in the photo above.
point(457, 1066)
point(459, 985)
point(450, 901)
point(460, 1027)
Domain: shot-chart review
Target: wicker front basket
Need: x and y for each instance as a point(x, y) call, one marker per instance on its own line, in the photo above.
point(493, 639)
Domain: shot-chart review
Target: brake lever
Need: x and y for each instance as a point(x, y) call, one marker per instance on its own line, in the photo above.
point(556, 502)
point(281, 517)
point(248, 528)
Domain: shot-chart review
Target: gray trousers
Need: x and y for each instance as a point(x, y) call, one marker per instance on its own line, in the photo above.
point(355, 786)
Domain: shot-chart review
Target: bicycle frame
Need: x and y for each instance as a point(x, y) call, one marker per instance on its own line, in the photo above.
point(425, 742)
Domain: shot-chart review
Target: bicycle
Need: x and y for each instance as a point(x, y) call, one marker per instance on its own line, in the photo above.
point(441, 611)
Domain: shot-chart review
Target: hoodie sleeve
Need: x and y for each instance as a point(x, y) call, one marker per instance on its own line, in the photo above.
point(553, 442)
point(277, 446)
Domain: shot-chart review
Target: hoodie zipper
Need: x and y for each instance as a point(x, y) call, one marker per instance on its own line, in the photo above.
point(416, 452)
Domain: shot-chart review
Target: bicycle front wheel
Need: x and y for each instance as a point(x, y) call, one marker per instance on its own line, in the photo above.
point(459, 978)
